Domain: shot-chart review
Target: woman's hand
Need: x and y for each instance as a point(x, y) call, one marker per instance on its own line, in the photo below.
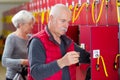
point(24, 61)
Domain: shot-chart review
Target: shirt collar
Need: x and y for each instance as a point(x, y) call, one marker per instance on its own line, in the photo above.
point(51, 38)
point(66, 40)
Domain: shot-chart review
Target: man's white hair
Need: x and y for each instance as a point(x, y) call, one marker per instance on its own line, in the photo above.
point(56, 9)
point(21, 17)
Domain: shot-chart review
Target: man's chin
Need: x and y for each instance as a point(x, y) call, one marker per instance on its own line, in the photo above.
point(63, 33)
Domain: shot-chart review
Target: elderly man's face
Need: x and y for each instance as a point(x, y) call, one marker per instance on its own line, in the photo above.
point(61, 23)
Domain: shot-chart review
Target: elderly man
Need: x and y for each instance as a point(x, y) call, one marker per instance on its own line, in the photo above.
point(52, 55)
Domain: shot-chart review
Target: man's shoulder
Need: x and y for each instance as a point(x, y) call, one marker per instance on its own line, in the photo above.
point(40, 35)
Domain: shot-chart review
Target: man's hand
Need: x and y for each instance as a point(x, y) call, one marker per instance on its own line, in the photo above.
point(68, 59)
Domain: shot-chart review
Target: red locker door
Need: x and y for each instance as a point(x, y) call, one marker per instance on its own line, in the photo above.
point(104, 39)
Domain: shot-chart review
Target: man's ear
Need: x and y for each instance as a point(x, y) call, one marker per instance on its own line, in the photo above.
point(50, 18)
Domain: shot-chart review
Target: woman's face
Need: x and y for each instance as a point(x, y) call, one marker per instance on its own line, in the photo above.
point(27, 27)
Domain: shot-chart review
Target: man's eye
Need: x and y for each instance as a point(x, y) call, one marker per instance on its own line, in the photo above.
point(62, 20)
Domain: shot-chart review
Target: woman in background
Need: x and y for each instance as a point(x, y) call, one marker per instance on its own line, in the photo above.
point(15, 50)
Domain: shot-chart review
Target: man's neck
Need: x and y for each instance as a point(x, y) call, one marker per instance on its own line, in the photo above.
point(56, 37)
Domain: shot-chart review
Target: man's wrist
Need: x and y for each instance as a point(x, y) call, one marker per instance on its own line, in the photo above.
point(60, 63)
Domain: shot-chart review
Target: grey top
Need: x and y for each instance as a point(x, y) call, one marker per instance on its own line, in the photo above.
point(15, 49)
